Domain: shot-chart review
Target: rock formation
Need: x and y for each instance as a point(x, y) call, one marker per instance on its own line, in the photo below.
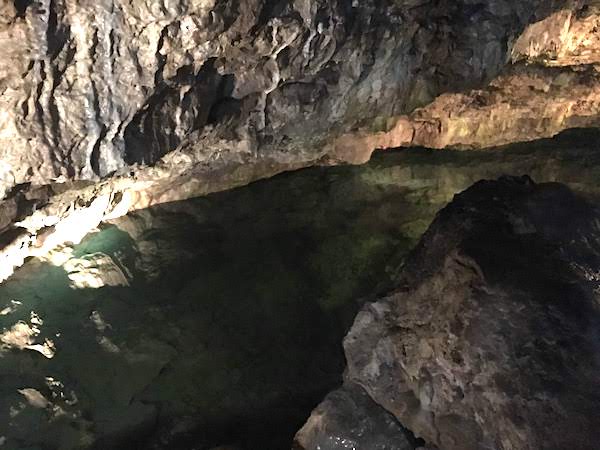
point(197, 289)
point(348, 418)
point(491, 338)
point(88, 88)
point(552, 84)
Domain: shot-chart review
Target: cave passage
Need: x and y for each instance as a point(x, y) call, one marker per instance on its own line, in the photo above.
point(219, 320)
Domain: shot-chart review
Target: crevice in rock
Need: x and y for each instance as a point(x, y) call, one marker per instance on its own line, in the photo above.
point(228, 10)
point(21, 6)
point(56, 33)
point(95, 154)
point(271, 8)
point(183, 105)
point(160, 58)
point(225, 108)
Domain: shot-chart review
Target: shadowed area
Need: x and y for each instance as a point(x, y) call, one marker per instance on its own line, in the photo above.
point(219, 320)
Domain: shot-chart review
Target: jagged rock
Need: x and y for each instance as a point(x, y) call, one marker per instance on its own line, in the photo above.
point(552, 85)
point(491, 340)
point(39, 212)
point(89, 88)
point(348, 418)
point(524, 103)
point(565, 38)
point(212, 275)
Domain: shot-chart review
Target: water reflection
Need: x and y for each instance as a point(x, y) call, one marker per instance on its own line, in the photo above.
point(218, 321)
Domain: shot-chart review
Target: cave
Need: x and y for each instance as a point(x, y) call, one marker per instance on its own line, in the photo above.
point(300, 224)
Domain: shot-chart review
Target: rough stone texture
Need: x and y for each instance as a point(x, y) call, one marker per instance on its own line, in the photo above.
point(87, 88)
point(349, 419)
point(523, 104)
point(189, 312)
point(565, 38)
point(552, 85)
point(197, 290)
point(491, 340)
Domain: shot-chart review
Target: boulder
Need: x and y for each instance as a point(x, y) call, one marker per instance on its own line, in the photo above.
point(491, 340)
point(348, 418)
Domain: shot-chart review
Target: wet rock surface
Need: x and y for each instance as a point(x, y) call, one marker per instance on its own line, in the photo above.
point(209, 323)
point(491, 338)
point(348, 418)
point(53, 215)
point(126, 105)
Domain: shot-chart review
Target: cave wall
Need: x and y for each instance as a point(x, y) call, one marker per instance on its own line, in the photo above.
point(87, 88)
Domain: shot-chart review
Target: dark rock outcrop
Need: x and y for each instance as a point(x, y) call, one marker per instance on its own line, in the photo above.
point(348, 418)
point(491, 339)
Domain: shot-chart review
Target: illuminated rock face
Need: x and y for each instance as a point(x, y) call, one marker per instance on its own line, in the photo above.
point(88, 88)
point(491, 338)
point(524, 103)
point(552, 84)
point(171, 100)
point(114, 106)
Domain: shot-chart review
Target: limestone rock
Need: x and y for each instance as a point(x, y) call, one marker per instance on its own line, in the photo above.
point(491, 340)
point(88, 88)
point(552, 85)
point(166, 101)
point(565, 38)
point(524, 103)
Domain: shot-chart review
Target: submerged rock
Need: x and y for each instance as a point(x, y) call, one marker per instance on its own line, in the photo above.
point(491, 340)
point(248, 293)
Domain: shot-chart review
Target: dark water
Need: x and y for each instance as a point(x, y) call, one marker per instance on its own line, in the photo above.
point(229, 331)
point(227, 325)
